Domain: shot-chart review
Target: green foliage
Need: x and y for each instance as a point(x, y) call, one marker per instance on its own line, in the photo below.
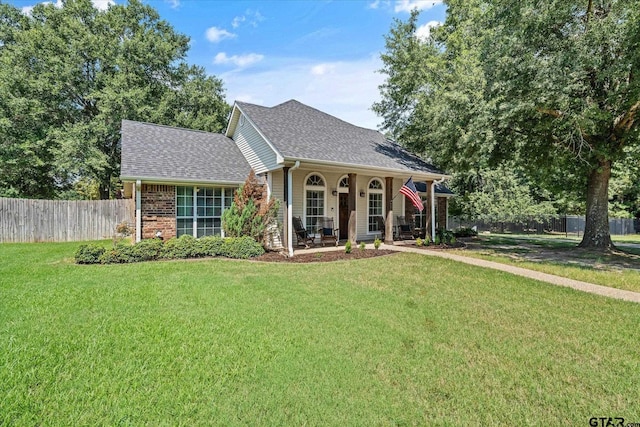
point(465, 232)
point(177, 248)
point(251, 211)
point(70, 74)
point(347, 247)
point(377, 243)
point(241, 248)
point(500, 195)
point(184, 246)
point(89, 254)
point(552, 89)
point(445, 237)
point(362, 246)
point(419, 242)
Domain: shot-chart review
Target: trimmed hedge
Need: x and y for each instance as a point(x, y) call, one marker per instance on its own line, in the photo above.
point(176, 248)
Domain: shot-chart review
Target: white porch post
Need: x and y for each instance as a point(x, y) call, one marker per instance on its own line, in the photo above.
point(290, 207)
point(138, 211)
point(433, 210)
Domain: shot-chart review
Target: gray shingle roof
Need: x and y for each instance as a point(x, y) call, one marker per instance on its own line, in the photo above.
point(162, 152)
point(302, 132)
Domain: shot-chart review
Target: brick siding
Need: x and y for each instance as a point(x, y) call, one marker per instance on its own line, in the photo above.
point(158, 210)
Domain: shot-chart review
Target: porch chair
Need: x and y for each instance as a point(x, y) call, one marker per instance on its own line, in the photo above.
point(327, 231)
point(405, 228)
point(381, 226)
point(303, 236)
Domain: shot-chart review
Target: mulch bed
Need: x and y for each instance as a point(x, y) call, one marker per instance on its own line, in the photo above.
point(329, 256)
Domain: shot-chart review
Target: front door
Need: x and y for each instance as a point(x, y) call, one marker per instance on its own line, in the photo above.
point(343, 215)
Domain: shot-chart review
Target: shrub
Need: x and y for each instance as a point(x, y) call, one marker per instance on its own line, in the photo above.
point(347, 247)
point(465, 232)
point(181, 247)
point(444, 236)
point(436, 241)
point(376, 243)
point(362, 246)
point(250, 212)
point(89, 254)
point(419, 242)
point(184, 247)
point(210, 246)
point(241, 248)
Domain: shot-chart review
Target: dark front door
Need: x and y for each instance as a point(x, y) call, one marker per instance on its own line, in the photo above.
point(343, 215)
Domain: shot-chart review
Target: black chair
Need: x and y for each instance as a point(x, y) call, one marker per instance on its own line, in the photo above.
point(381, 226)
point(304, 237)
point(405, 228)
point(327, 231)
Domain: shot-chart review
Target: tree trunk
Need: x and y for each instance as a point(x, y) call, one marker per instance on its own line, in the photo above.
point(596, 231)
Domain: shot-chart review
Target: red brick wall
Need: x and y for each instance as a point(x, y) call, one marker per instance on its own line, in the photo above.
point(158, 210)
point(442, 212)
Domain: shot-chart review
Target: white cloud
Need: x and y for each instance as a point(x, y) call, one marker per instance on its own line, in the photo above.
point(102, 4)
point(173, 4)
point(423, 31)
point(238, 20)
point(409, 5)
point(240, 61)
point(215, 34)
point(250, 16)
point(322, 69)
point(98, 4)
point(343, 89)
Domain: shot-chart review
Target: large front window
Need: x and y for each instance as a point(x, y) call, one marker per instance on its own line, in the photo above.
point(314, 201)
point(199, 210)
point(376, 205)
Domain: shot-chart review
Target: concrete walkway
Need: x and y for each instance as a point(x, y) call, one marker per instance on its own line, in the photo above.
point(531, 274)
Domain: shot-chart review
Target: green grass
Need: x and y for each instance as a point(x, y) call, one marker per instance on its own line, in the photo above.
point(618, 270)
point(628, 279)
point(398, 340)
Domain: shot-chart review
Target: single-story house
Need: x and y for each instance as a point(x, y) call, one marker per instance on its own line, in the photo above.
point(316, 165)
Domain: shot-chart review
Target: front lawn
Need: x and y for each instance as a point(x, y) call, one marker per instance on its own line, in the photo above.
point(619, 269)
point(403, 339)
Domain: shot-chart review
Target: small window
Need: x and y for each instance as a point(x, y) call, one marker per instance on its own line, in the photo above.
point(315, 180)
point(344, 182)
point(375, 185)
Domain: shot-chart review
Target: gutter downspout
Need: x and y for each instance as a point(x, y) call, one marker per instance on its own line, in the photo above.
point(138, 211)
point(433, 207)
point(290, 207)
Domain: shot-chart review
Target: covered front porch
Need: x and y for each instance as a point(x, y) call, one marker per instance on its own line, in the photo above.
point(363, 204)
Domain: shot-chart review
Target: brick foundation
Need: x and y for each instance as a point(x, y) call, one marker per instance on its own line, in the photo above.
point(158, 210)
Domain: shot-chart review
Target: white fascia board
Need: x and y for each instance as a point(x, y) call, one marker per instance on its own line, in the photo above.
point(398, 173)
point(177, 181)
point(279, 156)
point(229, 132)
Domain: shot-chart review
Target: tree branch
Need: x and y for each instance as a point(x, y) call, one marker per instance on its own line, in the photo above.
point(624, 122)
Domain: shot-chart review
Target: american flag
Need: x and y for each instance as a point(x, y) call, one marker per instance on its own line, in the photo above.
point(409, 190)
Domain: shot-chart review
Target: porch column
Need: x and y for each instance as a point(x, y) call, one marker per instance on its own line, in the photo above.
point(285, 211)
point(353, 194)
point(432, 198)
point(138, 210)
point(388, 212)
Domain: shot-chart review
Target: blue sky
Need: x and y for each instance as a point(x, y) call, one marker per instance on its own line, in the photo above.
point(322, 53)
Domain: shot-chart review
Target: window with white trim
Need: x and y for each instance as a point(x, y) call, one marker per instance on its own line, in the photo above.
point(344, 183)
point(375, 205)
point(199, 210)
point(314, 190)
point(420, 217)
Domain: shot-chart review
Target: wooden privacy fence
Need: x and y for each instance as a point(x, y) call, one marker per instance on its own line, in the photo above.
point(27, 220)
